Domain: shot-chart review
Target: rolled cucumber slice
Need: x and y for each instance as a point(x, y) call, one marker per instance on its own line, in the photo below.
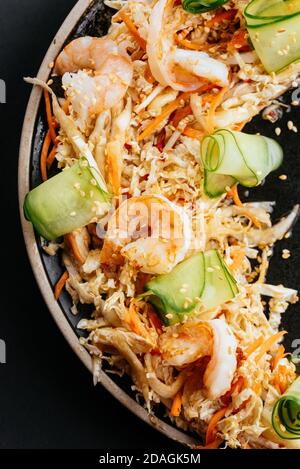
point(68, 201)
point(230, 157)
point(274, 30)
point(286, 413)
point(201, 282)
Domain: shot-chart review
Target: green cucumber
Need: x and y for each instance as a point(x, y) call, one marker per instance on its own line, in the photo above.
point(274, 30)
point(201, 282)
point(229, 157)
point(68, 201)
point(286, 413)
point(201, 6)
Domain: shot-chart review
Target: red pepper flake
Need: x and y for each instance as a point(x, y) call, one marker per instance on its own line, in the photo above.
point(160, 142)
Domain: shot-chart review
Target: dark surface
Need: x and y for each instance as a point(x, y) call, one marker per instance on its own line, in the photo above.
point(47, 399)
point(46, 396)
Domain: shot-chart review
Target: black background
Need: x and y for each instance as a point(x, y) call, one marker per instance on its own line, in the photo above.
point(47, 399)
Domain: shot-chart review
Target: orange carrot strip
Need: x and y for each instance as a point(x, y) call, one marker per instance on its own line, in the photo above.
point(168, 109)
point(193, 133)
point(191, 45)
point(51, 157)
point(211, 429)
point(132, 28)
point(239, 41)
point(217, 100)
point(268, 344)
point(181, 114)
point(279, 355)
point(240, 126)
point(219, 17)
point(44, 155)
point(238, 257)
point(60, 285)
point(134, 322)
point(257, 388)
point(236, 199)
point(50, 118)
point(252, 347)
point(71, 240)
point(148, 75)
point(213, 445)
point(176, 405)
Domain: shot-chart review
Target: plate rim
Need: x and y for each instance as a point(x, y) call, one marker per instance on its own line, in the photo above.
point(39, 271)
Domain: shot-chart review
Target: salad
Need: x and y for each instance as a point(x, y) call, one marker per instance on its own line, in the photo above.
point(141, 165)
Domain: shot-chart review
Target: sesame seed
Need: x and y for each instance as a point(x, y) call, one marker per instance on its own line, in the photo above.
point(290, 125)
point(169, 315)
point(285, 254)
point(278, 131)
point(209, 269)
point(73, 214)
point(93, 182)
point(295, 102)
point(283, 177)
point(294, 129)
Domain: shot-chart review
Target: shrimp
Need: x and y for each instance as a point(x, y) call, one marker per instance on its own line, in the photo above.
point(183, 344)
point(151, 232)
point(96, 75)
point(181, 69)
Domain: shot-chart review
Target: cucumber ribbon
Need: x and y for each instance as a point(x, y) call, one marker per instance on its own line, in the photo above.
point(286, 413)
point(198, 6)
point(202, 281)
point(67, 201)
point(274, 29)
point(229, 157)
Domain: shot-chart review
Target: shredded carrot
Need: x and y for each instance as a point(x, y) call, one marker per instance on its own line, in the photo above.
point(223, 15)
point(257, 388)
point(280, 381)
point(279, 355)
point(217, 100)
point(252, 347)
point(189, 44)
point(236, 386)
point(44, 155)
point(168, 109)
point(238, 257)
point(236, 199)
point(65, 106)
point(148, 75)
point(214, 444)
point(268, 344)
point(180, 114)
point(51, 157)
point(50, 118)
point(211, 429)
point(133, 320)
point(176, 404)
point(240, 126)
point(132, 28)
point(193, 133)
point(239, 41)
point(71, 240)
point(60, 285)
